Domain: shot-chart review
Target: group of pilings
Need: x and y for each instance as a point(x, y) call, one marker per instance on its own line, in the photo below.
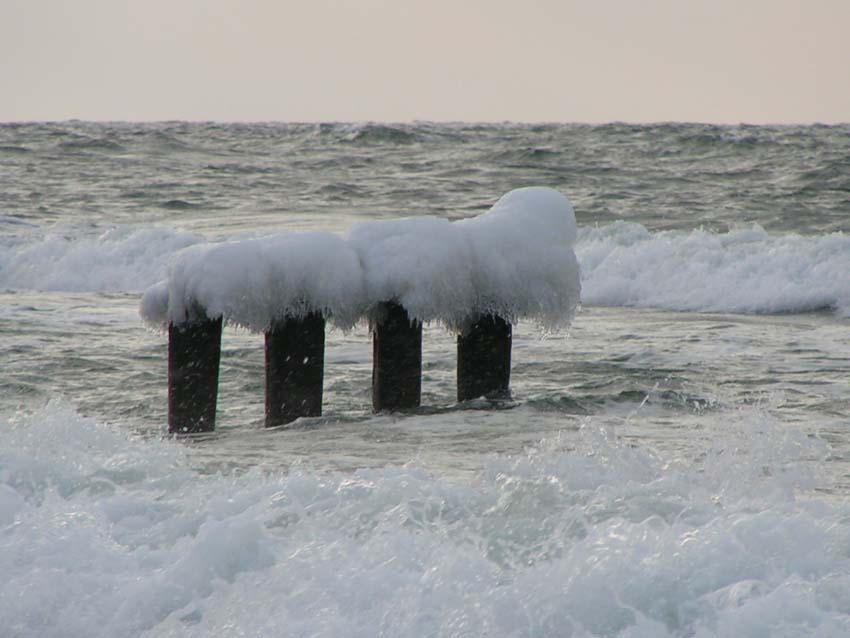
point(295, 359)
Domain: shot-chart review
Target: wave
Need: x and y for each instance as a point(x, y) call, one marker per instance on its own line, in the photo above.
point(623, 264)
point(742, 271)
point(376, 134)
point(120, 260)
point(16, 221)
point(526, 156)
point(9, 148)
point(109, 535)
point(178, 204)
point(91, 144)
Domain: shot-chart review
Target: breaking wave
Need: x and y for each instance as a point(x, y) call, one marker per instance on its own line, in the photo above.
point(587, 537)
point(623, 264)
point(745, 270)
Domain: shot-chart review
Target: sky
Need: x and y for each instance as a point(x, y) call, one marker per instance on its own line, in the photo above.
point(724, 61)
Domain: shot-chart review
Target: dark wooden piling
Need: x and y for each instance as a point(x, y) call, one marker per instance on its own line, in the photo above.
point(396, 360)
point(484, 359)
point(295, 363)
point(194, 355)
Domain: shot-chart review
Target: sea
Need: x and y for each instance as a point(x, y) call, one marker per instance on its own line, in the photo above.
point(675, 463)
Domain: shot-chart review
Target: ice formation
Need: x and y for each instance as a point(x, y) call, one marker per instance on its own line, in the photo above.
point(252, 282)
point(516, 260)
point(524, 263)
point(421, 262)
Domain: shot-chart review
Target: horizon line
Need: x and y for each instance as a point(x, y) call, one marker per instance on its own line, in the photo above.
point(415, 121)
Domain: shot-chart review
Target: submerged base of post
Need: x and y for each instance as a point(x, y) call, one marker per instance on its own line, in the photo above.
point(295, 362)
point(484, 359)
point(194, 355)
point(396, 360)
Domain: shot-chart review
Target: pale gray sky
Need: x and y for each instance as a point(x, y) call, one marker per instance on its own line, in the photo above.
point(397, 60)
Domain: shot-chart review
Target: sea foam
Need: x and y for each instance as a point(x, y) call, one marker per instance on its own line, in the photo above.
point(102, 534)
point(745, 270)
point(118, 260)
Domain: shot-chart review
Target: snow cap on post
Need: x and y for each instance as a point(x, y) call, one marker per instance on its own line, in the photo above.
point(524, 263)
point(253, 282)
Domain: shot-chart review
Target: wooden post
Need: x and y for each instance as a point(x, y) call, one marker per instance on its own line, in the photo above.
point(194, 354)
point(295, 362)
point(484, 359)
point(396, 360)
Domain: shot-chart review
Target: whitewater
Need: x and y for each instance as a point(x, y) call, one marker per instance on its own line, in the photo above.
point(674, 462)
point(745, 270)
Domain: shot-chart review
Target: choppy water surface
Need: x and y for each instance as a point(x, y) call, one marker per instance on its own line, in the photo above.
point(677, 464)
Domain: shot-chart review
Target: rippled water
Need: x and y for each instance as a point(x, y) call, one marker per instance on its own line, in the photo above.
point(224, 178)
point(676, 464)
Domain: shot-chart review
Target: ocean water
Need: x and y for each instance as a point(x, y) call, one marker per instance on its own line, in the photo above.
point(677, 463)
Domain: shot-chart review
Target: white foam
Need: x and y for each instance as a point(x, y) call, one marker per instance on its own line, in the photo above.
point(105, 535)
point(622, 264)
point(745, 270)
point(119, 260)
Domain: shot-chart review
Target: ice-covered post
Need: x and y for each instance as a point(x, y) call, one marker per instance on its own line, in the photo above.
point(295, 362)
point(523, 266)
point(396, 359)
point(194, 354)
point(484, 359)
point(475, 275)
point(285, 286)
point(415, 270)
